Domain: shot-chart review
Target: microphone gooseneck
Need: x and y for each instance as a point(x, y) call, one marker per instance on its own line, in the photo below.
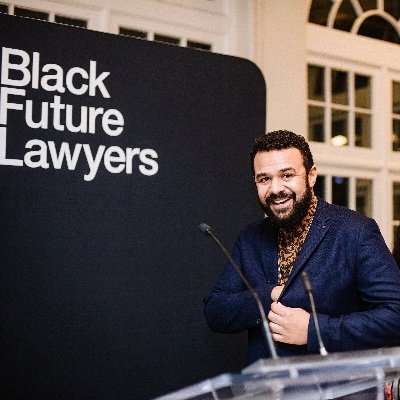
point(267, 333)
point(309, 291)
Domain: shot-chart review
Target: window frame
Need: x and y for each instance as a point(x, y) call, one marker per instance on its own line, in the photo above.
point(352, 175)
point(92, 14)
point(380, 60)
point(215, 39)
point(329, 64)
point(395, 178)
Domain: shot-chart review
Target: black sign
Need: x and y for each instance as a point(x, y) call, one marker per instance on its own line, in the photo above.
point(112, 151)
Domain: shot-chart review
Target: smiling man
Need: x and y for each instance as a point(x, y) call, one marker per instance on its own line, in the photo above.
point(355, 279)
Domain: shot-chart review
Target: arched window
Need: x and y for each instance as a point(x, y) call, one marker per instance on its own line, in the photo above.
point(371, 18)
point(345, 17)
point(319, 12)
point(378, 28)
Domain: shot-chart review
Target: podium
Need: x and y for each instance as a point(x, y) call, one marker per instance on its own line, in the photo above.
point(358, 375)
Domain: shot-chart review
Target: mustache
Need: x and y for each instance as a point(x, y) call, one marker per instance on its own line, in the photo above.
point(279, 196)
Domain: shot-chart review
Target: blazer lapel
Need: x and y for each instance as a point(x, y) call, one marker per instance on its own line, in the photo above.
point(319, 228)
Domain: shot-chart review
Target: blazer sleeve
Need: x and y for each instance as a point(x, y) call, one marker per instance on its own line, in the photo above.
point(230, 307)
point(378, 285)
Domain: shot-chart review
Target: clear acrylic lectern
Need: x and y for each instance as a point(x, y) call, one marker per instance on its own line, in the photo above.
point(361, 375)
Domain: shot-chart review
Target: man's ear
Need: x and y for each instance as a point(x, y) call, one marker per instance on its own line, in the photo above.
point(312, 176)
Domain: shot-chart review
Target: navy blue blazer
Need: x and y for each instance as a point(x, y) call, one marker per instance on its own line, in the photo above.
point(355, 280)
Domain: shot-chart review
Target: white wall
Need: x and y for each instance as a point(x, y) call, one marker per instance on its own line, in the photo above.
point(280, 39)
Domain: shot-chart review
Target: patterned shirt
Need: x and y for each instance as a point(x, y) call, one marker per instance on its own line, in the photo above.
point(291, 241)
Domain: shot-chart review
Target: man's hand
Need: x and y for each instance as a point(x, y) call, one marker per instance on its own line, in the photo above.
point(276, 292)
point(288, 325)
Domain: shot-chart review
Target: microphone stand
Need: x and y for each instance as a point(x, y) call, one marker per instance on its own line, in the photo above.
point(308, 289)
point(267, 333)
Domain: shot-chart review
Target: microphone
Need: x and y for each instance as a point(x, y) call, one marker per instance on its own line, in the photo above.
point(267, 333)
point(308, 289)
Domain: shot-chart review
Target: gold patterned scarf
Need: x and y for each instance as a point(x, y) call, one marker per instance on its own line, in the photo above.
point(291, 241)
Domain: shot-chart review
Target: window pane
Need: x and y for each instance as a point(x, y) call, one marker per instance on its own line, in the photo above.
point(166, 39)
point(396, 97)
point(396, 201)
point(339, 87)
point(70, 21)
point(378, 28)
point(4, 8)
point(133, 33)
point(319, 187)
point(367, 4)
point(363, 130)
point(363, 91)
point(23, 12)
point(340, 190)
point(198, 45)
point(340, 136)
point(393, 7)
point(396, 243)
point(345, 16)
point(316, 83)
point(316, 123)
point(396, 135)
point(319, 11)
point(364, 196)
point(396, 217)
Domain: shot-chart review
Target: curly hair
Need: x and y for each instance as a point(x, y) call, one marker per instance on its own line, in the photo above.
point(280, 140)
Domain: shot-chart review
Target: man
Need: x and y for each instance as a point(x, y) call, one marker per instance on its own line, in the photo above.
point(355, 280)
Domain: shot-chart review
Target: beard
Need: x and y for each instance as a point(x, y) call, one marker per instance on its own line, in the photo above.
point(296, 214)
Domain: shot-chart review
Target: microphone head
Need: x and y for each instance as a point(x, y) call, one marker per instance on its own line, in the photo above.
point(205, 228)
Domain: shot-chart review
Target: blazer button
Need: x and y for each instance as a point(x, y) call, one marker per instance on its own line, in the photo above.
point(258, 322)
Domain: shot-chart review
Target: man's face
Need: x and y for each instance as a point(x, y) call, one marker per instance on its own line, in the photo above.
point(283, 186)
